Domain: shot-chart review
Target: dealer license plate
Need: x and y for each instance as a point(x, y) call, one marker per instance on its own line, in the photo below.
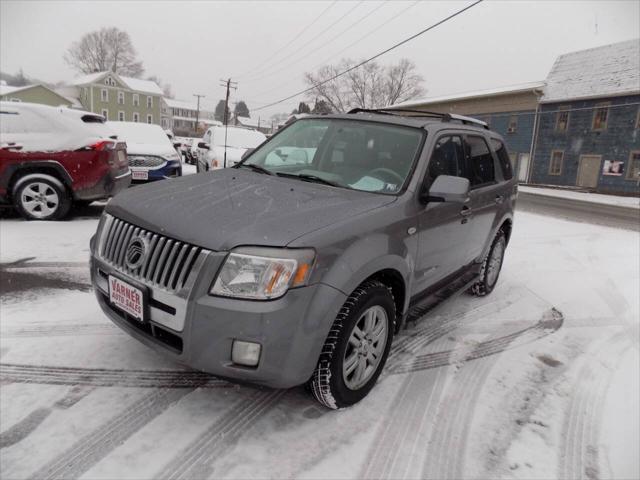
point(126, 297)
point(139, 175)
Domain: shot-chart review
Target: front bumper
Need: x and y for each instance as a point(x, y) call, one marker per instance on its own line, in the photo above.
point(170, 169)
point(291, 330)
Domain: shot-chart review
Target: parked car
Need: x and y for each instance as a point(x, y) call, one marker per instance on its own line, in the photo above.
point(51, 157)
point(152, 155)
point(287, 273)
point(211, 153)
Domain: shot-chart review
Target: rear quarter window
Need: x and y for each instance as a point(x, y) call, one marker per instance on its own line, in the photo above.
point(503, 158)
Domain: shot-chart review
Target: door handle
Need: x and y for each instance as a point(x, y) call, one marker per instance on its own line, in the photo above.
point(465, 212)
point(499, 199)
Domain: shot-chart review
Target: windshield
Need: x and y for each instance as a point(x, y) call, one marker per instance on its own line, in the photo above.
point(238, 137)
point(367, 156)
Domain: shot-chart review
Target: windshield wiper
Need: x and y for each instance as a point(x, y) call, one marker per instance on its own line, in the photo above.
point(255, 168)
point(310, 178)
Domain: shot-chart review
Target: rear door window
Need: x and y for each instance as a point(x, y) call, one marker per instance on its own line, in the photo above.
point(503, 158)
point(481, 169)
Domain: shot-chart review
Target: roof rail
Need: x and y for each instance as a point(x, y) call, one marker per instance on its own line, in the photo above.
point(446, 117)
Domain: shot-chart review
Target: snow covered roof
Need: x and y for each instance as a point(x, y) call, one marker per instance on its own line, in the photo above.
point(7, 89)
point(253, 122)
point(173, 103)
point(520, 87)
point(137, 84)
point(605, 71)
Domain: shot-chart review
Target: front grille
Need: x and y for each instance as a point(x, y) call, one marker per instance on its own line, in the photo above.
point(146, 161)
point(168, 263)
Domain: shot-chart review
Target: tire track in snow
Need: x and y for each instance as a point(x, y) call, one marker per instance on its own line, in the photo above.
point(196, 460)
point(446, 450)
point(103, 377)
point(420, 396)
point(581, 428)
point(550, 323)
point(417, 397)
point(62, 330)
point(95, 446)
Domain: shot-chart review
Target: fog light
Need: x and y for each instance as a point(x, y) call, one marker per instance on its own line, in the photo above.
point(245, 353)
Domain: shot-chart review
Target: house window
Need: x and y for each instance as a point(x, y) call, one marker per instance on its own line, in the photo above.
point(120, 98)
point(105, 113)
point(149, 118)
point(136, 117)
point(633, 172)
point(121, 116)
point(513, 124)
point(104, 95)
point(600, 116)
point(136, 99)
point(149, 102)
point(110, 81)
point(555, 166)
point(562, 120)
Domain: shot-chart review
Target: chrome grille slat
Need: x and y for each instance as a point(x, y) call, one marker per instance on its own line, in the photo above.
point(169, 263)
point(175, 271)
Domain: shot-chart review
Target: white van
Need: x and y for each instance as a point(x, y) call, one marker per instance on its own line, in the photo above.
point(211, 150)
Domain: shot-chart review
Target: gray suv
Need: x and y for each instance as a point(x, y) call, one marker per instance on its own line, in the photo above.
point(300, 264)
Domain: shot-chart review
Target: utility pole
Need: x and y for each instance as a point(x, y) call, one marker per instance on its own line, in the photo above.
point(229, 85)
point(198, 110)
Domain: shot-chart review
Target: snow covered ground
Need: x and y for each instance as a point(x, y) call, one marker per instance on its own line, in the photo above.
point(616, 200)
point(538, 380)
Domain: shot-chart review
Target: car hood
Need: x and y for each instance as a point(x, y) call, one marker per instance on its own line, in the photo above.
point(232, 207)
point(150, 149)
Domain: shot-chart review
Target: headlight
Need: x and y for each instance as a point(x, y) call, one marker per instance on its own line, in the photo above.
point(263, 273)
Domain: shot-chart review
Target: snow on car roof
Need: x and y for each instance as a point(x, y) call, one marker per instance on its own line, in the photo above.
point(143, 133)
point(237, 137)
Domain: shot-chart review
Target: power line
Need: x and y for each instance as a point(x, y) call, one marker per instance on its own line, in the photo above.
point(453, 15)
point(333, 39)
point(369, 33)
point(278, 51)
point(279, 62)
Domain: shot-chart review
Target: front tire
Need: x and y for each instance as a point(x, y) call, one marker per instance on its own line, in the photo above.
point(491, 267)
point(356, 348)
point(41, 197)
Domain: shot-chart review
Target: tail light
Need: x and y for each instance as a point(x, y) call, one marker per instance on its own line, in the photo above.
point(101, 146)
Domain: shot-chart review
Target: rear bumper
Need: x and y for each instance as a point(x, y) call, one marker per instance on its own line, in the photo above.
point(107, 186)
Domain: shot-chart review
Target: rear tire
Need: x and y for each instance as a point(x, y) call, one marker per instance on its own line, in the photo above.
point(356, 348)
point(491, 267)
point(39, 196)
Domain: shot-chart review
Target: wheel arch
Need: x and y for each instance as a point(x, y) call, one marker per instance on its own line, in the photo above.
point(46, 167)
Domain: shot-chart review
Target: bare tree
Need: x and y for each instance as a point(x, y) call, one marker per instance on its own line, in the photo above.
point(166, 87)
point(369, 86)
point(102, 50)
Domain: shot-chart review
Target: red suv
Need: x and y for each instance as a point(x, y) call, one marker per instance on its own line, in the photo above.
point(51, 157)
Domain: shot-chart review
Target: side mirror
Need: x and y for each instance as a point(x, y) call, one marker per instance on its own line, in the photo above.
point(246, 153)
point(203, 145)
point(177, 144)
point(447, 188)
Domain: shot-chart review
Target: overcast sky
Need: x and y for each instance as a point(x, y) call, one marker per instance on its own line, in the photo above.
point(191, 45)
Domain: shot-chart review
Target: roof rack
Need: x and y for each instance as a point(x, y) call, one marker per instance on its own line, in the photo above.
point(446, 117)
